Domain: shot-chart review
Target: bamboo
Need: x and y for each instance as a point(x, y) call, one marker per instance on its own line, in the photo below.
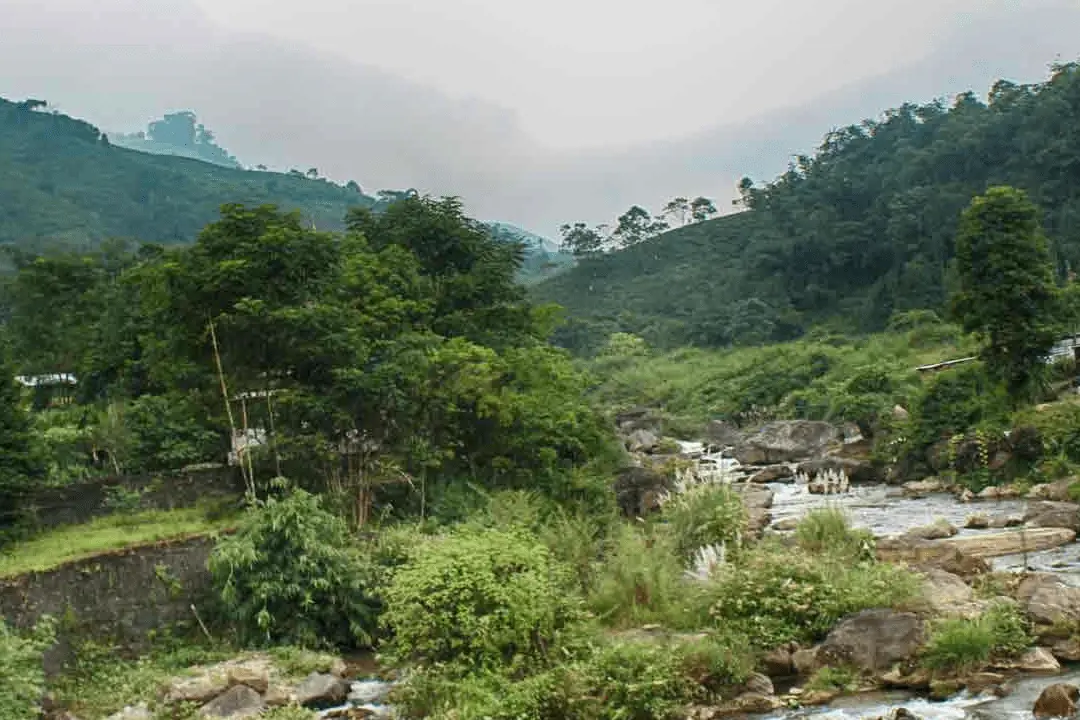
point(228, 405)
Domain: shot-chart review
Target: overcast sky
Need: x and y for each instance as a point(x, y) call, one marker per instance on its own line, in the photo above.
point(533, 112)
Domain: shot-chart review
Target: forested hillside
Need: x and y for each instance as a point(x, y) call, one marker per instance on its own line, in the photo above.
point(862, 229)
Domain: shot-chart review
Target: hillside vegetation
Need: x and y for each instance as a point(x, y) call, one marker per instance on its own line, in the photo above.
point(861, 230)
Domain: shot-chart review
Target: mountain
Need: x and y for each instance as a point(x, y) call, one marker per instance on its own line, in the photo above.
point(861, 230)
point(543, 256)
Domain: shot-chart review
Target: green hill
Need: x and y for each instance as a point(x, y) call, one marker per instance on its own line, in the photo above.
point(861, 230)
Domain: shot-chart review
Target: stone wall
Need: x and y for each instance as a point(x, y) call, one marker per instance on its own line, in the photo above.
point(120, 596)
point(83, 502)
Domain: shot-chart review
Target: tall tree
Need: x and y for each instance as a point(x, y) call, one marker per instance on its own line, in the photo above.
point(677, 210)
point(581, 240)
point(1006, 293)
point(636, 225)
point(701, 209)
point(19, 465)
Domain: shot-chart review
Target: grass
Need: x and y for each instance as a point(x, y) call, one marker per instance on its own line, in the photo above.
point(962, 644)
point(828, 530)
point(115, 532)
point(834, 679)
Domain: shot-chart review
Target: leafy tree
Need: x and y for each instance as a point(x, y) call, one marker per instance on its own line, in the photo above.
point(581, 240)
point(701, 209)
point(20, 468)
point(1006, 289)
point(21, 667)
point(677, 210)
point(636, 225)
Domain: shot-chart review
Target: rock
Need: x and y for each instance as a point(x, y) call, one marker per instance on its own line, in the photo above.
point(758, 684)
point(637, 418)
point(774, 473)
point(899, 412)
point(925, 554)
point(277, 695)
point(939, 530)
point(944, 689)
point(757, 703)
point(1012, 542)
point(1054, 515)
point(723, 434)
point(239, 701)
point(365, 692)
point(641, 441)
point(921, 488)
point(638, 490)
point(966, 496)
point(981, 682)
point(857, 470)
point(915, 678)
point(1057, 700)
point(778, 663)
point(1000, 522)
point(1003, 492)
point(1066, 649)
point(786, 524)
point(133, 712)
point(1057, 491)
point(818, 697)
point(948, 594)
point(1035, 661)
point(1048, 600)
point(872, 640)
point(805, 661)
point(322, 690)
point(251, 675)
point(786, 441)
point(199, 690)
point(978, 521)
point(338, 668)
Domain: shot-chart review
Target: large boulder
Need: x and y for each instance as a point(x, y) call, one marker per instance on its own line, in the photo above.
point(1057, 701)
point(778, 663)
point(938, 530)
point(948, 594)
point(644, 441)
point(924, 555)
point(723, 434)
point(786, 441)
point(638, 490)
point(873, 640)
point(237, 702)
point(1012, 542)
point(1054, 515)
point(637, 418)
point(922, 488)
point(322, 690)
point(1035, 661)
point(200, 689)
point(1057, 491)
point(1048, 600)
point(772, 474)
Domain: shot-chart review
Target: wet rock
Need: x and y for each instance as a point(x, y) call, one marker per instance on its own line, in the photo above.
point(758, 684)
point(1054, 515)
point(805, 661)
point(1066, 649)
point(1056, 491)
point(922, 488)
point(1057, 700)
point(812, 698)
point(365, 692)
point(966, 496)
point(723, 434)
point(1012, 542)
point(786, 441)
point(925, 554)
point(642, 441)
point(948, 594)
point(1001, 522)
point(1003, 492)
point(778, 663)
point(133, 712)
point(873, 640)
point(978, 521)
point(756, 703)
point(638, 490)
point(322, 690)
point(199, 689)
point(239, 701)
point(1034, 661)
point(914, 678)
point(1048, 600)
point(774, 473)
point(938, 530)
point(944, 689)
point(982, 682)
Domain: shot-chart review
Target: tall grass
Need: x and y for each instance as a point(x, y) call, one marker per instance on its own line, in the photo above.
point(828, 530)
point(959, 644)
point(705, 515)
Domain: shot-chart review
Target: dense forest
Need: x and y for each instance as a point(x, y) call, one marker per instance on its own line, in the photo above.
point(860, 230)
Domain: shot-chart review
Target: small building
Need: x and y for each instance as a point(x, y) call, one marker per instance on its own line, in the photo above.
point(50, 389)
point(1067, 348)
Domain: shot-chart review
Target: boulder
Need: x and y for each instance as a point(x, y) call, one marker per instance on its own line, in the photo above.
point(948, 594)
point(1054, 515)
point(926, 554)
point(638, 490)
point(921, 488)
point(322, 690)
point(637, 418)
point(642, 441)
point(938, 530)
point(133, 712)
point(1012, 542)
point(1048, 600)
point(805, 661)
point(1057, 491)
point(778, 663)
point(982, 682)
point(899, 412)
point(723, 434)
point(786, 441)
point(978, 521)
point(365, 692)
point(996, 492)
point(198, 690)
point(873, 640)
point(944, 688)
point(239, 701)
point(915, 677)
point(1001, 522)
point(758, 684)
point(1057, 700)
point(1034, 661)
point(1066, 649)
point(277, 695)
point(755, 704)
point(773, 473)
point(254, 675)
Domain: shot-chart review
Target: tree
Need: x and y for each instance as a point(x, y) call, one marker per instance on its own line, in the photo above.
point(1007, 293)
point(701, 209)
point(19, 465)
point(636, 225)
point(581, 240)
point(677, 209)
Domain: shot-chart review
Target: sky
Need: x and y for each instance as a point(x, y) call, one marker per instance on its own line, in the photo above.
point(536, 113)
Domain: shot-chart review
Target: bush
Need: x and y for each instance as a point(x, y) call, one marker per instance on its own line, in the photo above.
point(705, 515)
point(478, 598)
point(641, 581)
point(827, 530)
point(956, 401)
point(21, 669)
point(166, 433)
point(776, 595)
point(828, 679)
point(291, 575)
point(959, 644)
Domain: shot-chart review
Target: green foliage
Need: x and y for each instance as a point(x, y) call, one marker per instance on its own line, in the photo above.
point(956, 401)
point(20, 468)
point(168, 432)
point(478, 598)
point(833, 679)
point(291, 574)
point(22, 670)
point(1006, 291)
point(777, 595)
point(1059, 427)
point(288, 712)
point(959, 644)
point(863, 229)
point(705, 515)
point(829, 531)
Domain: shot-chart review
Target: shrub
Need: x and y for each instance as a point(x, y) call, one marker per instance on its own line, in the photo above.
point(291, 575)
point(967, 643)
point(956, 401)
point(827, 530)
point(777, 595)
point(841, 679)
point(641, 581)
point(21, 668)
point(705, 515)
point(640, 680)
point(478, 598)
